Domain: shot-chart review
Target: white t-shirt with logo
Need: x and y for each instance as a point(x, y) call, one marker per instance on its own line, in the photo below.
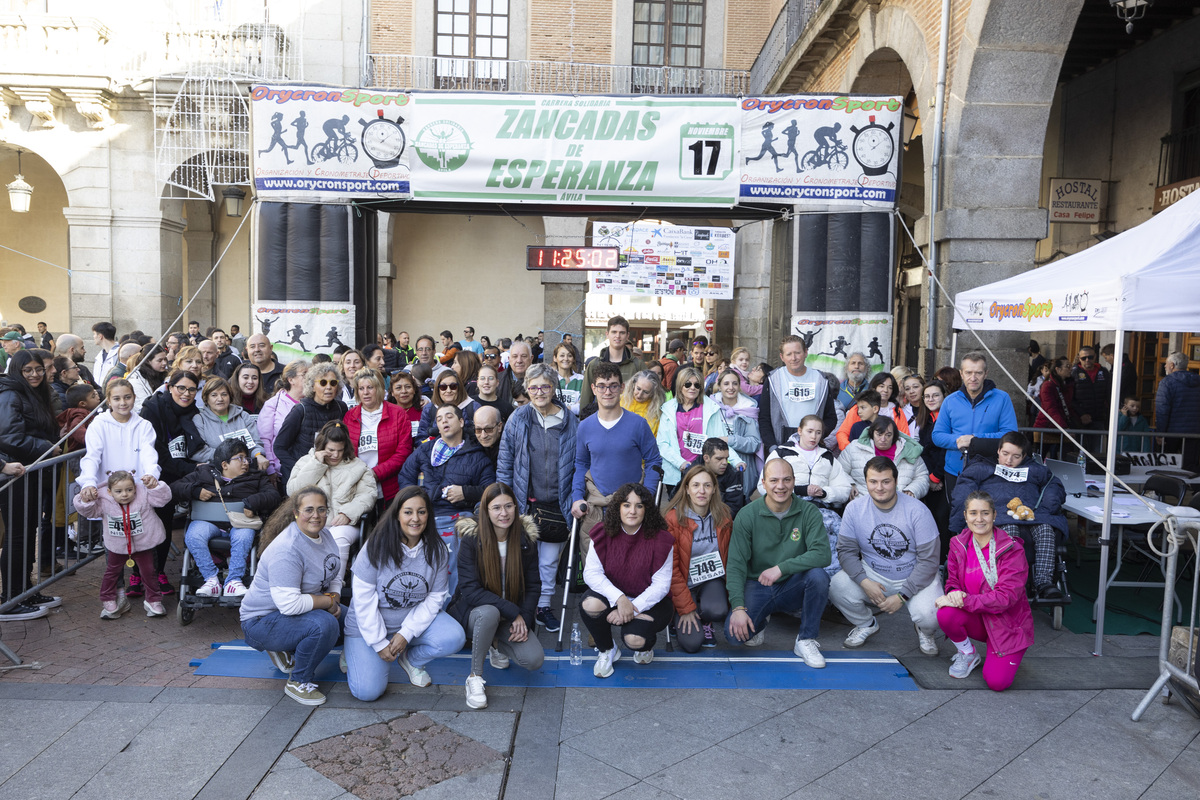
point(800, 396)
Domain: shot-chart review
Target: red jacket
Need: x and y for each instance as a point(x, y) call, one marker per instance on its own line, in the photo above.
point(1004, 608)
point(69, 419)
point(395, 444)
point(1056, 397)
point(681, 531)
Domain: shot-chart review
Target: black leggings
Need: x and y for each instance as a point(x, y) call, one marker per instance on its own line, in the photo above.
point(647, 629)
point(712, 602)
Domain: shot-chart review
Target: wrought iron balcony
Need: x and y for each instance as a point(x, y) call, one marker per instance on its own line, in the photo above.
point(791, 22)
point(1179, 156)
point(387, 71)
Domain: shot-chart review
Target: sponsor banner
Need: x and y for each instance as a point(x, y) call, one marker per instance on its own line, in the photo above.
point(821, 150)
point(327, 144)
point(1077, 200)
point(832, 336)
point(301, 330)
point(515, 148)
point(1090, 307)
point(666, 260)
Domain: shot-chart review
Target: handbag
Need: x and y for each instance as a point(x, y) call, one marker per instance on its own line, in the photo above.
point(551, 525)
point(238, 519)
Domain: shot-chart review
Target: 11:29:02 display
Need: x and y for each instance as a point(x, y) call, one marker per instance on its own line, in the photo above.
point(572, 258)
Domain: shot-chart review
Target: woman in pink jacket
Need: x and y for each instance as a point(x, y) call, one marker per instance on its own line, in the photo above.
point(278, 406)
point(985, 597)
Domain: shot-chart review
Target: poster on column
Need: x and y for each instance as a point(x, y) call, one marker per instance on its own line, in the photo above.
point(301, 330)
point(514, 148)
point(660, 260)
point(832, 336)
point(821, 152)
point(320, 144)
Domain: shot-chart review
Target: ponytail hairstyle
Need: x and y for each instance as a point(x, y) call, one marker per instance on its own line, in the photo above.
point(335, 432)
point(292, 370)
point(117, 477)
point(119, 383)
point(285, 515)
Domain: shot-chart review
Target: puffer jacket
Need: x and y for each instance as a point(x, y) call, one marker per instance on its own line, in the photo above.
point(512, 464)
point(825, 472)
point(914, 475)
point(1092, 395)
point(1058, 398)
point(1040, 490)
point(213, 430)
point(682, 527)
point(712, 423)
point(987, 417)
point(469, 468)
point(394, 446)
point(21, 437)
point(175, 436)
point(1177, 403)
point(349, 484)
point(252, 488)
point(146, 529)
point(1003, 607)
point(472, 594)
point(298, 432)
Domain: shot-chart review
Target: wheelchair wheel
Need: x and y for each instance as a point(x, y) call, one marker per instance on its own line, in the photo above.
point(185, 614)
point(1058, 615)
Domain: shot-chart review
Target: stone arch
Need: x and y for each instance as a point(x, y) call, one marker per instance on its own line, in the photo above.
point(41, 233)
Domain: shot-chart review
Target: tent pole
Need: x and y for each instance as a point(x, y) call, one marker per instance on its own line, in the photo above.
point(954, 347)
point(1114, 404)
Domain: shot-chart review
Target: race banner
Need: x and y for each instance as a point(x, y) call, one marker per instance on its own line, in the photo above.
point(516, 148)
point(666, 260)
point(832, 337)
point(821, 151)
point(301, 330)
point(328, 144)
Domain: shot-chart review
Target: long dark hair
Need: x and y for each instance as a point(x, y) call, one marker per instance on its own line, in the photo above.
point(924, 416)
point(386, 544)
point(37, 399)
point(235, 389)
point(652, 521)
point(512, 585)
point(886, 377)
point(153, 377)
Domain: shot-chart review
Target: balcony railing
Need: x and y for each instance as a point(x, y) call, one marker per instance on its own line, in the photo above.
point(547, 77)
point(53, 45)
point(1179, 156)
point(258, 52)
point(792, 19)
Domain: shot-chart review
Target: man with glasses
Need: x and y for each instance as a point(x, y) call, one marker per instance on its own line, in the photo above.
point(627, 360)
point(488, 429)
point(1093, 386)
point(262, 355)
point(468, 341)
point(424, 352)
point(612, 447)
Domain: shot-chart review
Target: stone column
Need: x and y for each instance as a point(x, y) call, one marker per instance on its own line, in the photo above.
point(749, 315)
point(564, 292)
point(90, 240)
point(201, 241)
point(387, 273)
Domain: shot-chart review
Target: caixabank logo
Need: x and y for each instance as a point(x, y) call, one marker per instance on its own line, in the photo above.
point(443, 145)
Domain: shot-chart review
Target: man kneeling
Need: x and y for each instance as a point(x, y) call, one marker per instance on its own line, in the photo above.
point(777, 559)
point(889, 551)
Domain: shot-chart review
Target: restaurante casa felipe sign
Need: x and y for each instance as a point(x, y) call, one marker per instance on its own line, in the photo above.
point(1077, 200)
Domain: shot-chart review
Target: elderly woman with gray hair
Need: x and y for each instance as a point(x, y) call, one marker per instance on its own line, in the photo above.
point(320, 405)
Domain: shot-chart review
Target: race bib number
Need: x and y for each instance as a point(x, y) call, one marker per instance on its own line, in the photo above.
point(242, 435)
point(705, 568)
point(367, 443)
point(116, 527)
point(1012, 474)
point(416, 424)
point(570, 396)
point(177, 447)
point(801, 393)
point(694, 441)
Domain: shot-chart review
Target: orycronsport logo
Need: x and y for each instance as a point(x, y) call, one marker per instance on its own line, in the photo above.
point(443, 145)
point(331, 185)
point(1028, 310)
point(818, 192)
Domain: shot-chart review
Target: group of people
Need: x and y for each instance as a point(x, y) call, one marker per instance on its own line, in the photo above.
point(784, 490)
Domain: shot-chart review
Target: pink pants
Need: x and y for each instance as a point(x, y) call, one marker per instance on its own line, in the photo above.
point(998, 671)
point(111, 581)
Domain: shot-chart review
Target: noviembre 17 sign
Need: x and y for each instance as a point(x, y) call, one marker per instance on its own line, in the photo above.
point(513, 148)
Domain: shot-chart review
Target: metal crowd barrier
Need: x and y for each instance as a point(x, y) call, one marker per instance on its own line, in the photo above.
point(1051, 443)
point(45, 485)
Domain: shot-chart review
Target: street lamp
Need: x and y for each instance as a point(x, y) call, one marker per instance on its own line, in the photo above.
point(1130, 10)
point(233, 197)
point(19, 192)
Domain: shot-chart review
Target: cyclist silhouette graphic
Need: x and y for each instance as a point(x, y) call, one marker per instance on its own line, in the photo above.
point(830, 152)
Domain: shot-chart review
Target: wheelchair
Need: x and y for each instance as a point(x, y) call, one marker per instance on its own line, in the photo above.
point(1060, 581)
point(219, 546)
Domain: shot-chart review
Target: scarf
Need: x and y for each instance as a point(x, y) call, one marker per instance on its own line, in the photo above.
point(988, 565)
point(441, 451)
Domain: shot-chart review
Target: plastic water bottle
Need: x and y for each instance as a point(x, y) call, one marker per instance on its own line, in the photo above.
point(576, 646)
point(1082, 461)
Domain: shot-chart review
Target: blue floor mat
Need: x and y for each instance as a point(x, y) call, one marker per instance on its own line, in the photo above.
point(762, 670)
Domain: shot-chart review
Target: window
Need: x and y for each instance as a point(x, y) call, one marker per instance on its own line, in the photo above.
point(668, 33)
point(471, 29)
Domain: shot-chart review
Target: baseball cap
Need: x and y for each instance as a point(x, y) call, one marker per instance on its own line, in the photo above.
point(676, 344)
point(13, 336)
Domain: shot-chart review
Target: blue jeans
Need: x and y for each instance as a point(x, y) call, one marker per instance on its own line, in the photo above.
point(241, 540)
point(445, 526)
point(310, 636)
point(804, 594)
point(367, 673)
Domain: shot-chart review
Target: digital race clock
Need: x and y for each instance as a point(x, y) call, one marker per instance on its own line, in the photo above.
point(572, 258)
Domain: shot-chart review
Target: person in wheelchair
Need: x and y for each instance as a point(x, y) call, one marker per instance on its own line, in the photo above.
point(1028, 504)
point(226, 479)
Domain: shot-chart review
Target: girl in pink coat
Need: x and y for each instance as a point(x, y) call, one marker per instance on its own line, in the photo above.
point(985, 597)
point(131, 532)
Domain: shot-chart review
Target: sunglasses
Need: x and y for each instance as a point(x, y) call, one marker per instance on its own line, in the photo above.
point(1087, 358)
point(710, 353)
point(691, 385)
point(327, 382)
point(488, 431)
point(490, 357)
point(451, 386)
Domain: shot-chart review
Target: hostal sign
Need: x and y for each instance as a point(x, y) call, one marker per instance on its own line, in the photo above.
point(1077, 200)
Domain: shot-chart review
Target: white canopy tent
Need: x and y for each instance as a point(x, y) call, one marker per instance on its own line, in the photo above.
point(1145, 279)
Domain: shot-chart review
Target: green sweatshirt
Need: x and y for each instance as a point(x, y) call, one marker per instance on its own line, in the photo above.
point(761, 540)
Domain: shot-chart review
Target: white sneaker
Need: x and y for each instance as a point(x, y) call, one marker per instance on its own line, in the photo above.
point(476, 697)
point(861, 633)
point(234, 588)
point(497, 660)
point(113, 609)
point(963, 664)
point(929, 645)
point(756, 640)
point(810, 651)
point(211, 588)
point(643, 656)
point(604, 662)
point(416, 675)
point(154, 609)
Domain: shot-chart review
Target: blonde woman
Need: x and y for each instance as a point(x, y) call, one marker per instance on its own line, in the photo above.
point(644, 396)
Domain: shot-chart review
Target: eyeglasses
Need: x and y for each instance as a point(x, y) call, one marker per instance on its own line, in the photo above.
point(33, 371)
point(319, 511)
point(328, 382)
point(242, 459)
point(184, 389)
point(691, 385)
point(607, 388)
point(489, 430)
point(451, 386)
point(539, 389)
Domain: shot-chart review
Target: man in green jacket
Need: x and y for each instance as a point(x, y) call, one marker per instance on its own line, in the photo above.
point(777, 556)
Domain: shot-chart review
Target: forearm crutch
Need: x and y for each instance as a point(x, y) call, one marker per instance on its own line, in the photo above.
point(562, 626)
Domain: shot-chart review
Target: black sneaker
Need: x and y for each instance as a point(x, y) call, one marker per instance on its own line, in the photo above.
point(42, 601)
point(1049, 592)
point(21, 612)
point(135, 587)
point(545, 618)
point(164, 585)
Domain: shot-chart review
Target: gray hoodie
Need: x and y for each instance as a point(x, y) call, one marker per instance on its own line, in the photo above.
point(213, 431)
